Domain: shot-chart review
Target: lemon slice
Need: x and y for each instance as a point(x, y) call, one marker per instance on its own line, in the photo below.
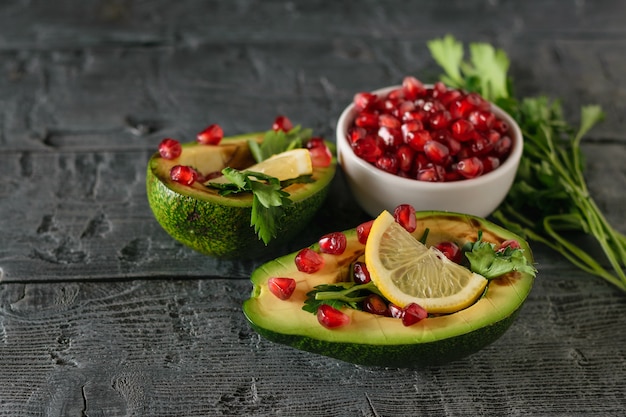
point(284, 166)
point(406, 271)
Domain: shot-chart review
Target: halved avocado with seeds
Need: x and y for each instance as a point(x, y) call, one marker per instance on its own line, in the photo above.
point(216, 225)
point(384, 341)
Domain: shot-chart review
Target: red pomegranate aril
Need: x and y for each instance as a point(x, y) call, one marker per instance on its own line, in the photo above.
point(470, 167)
point(405, 155)
point(451, 250)
point(501, 126)
point(388, 163)
point(462, 130)
point(404, 215)
point(428, 174)
point(389, 121)
point(510, 243)
point(170, 148)
point(413, 88)
point(454, 146)
point(212, 135)
point(449, 96)
point(439, 120)
point(366, 120)
point(360, 273)
point(364, 100)
point(413, 313)
point(493, 136)
point(480, 146)
point(411, 126)
point(321, 156)
point(367, 149)
point(503, 146)
point(437, 152)
point(315, 142)
point(331, 318)
point(418, 139)
point(309, 261)
point(363, 231)
point(183, 174)
point(375, 304)
point(481, 119)
point(395, 311)
point(419, 114)
point(388, 105)
point(390, 137)
point(439, 88)
point(490, 163)
point(403, 107)
point(333, 243)
point(355, 133)
point(282, 123)
point(281, 287)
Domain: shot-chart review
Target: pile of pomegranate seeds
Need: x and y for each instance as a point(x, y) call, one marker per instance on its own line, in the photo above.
point(432, 134)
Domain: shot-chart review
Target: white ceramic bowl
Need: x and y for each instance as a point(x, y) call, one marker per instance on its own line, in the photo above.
point(376, 190)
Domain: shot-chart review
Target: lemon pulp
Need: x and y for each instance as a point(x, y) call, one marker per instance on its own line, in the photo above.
point(407, 271)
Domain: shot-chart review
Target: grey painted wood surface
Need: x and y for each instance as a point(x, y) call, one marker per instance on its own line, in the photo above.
point(101, 313)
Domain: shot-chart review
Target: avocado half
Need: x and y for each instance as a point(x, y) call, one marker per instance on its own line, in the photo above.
point(374, 340)
point(216, 225)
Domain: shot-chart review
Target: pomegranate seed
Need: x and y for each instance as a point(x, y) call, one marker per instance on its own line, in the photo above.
point(462, 130)
point(490, 163)
point(439, 88)
point(440, 120)
point(321, 156)
point(395, 311)
point(391, 138)
point(481, 119)
point(366, 120)
point(503, 146)
point(170, 148)
point(404, 215)
point(282, 123)
point(451, 250)
point(315, 142)
point(355, 133)
point(360, 273)
point(413, 88)
point(405, 155)
point(375, 304)
point(389, 121)
point(415, 115)
point(511, 243)
point(212, 135)
point(404, 107)
point(364, 101)
point(183, 174)
point(388, 163)
point(500, 126)
point(436, 152)
point(363, 231)
point(428, 174)
point(470, 167)
point(413, 313)
point(309, 261)
point(331, 318)
point(367, 149)
point(281, 287)
point(334, 243)
point(418, 139)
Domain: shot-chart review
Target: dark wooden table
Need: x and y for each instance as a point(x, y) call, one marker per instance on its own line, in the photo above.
point(103, 314)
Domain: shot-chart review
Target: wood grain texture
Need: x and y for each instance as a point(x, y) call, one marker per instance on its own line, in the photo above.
point(183, 348)
point(103, 314)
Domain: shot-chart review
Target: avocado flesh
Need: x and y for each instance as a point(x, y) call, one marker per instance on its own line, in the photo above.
point(383, 341)
point(212, 224)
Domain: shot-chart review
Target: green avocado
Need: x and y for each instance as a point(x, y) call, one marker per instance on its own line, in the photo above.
point(374, 340)
point(217, 225)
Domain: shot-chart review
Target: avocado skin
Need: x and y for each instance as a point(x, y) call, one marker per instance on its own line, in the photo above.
point(488, 319)
point(222, 228)
point(416, 355)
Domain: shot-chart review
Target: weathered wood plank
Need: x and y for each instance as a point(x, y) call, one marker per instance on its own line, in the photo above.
point(174, 348)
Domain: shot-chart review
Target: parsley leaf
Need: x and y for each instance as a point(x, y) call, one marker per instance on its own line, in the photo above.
point(268, 198)
point(275, 142)
point(341, 294)
point(491, 263)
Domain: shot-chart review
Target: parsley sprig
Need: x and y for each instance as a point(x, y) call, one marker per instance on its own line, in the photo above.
point(268, 198)
point(275, 142)
point(486, 260)
point(549, 198)
point(338, 295)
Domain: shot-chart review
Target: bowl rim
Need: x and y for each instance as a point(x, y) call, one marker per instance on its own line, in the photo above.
point(511, 162)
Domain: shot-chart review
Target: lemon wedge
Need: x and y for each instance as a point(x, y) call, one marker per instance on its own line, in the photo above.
point(407, 271)
point(284, 166)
